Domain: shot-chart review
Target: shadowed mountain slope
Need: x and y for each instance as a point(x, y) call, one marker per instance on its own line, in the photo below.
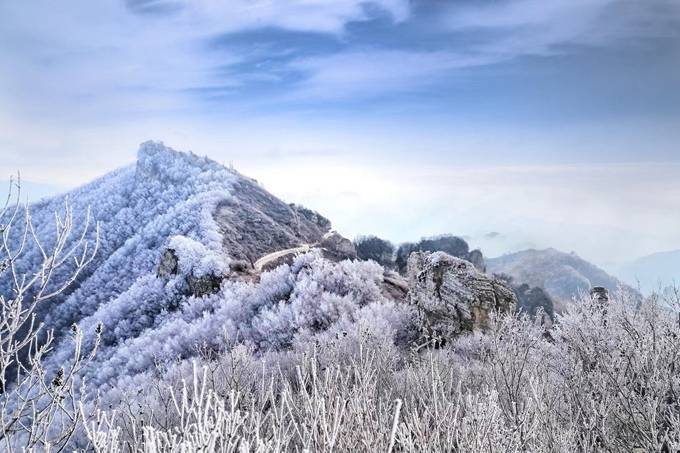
point(653, 272)
point(563, 275)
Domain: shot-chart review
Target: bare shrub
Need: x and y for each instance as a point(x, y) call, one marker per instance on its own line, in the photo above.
point(601, 379)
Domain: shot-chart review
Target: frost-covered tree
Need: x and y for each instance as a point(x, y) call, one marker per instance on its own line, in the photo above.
point(373, 248)
point(139, 208)
point(601, 379)
point(531, 300)
point(157, 321)
point(448, 243)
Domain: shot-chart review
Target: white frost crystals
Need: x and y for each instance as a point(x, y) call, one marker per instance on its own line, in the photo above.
point(196, 259)
point(311, 299)
point(139, 208)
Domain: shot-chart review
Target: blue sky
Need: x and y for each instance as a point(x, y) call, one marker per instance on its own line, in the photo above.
point(555, 122)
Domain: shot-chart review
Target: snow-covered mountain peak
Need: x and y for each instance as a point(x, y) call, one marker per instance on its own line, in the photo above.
point(207, 214)
point(155, 161)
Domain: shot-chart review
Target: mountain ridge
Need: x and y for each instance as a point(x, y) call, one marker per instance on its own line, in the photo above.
point(141, 208)
point(564, 276)
point(653, 272)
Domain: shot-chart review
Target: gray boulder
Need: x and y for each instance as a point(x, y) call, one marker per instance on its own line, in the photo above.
point(197, 285)
point(452, 296)
point(394, 286)
point(477, 259)
point(337, 248)
point(169, 264)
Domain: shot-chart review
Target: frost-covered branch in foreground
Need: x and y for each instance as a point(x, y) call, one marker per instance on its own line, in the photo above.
point(37, 409)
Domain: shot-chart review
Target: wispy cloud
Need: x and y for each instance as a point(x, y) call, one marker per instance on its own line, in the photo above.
point(539, 27)
point(329, 16)
point(592, 209)
point(493, 32)
point(373, 72)
point(152, 55)
point(86, 57)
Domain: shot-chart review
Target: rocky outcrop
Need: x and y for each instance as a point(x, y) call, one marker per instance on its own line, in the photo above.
point(599, 294)
point(532, 301)
point(337, 248)
point(254, 223)
point(477, 259)
point(452, 296)
point(197, 285)
point(395, 287)
point(169, 264)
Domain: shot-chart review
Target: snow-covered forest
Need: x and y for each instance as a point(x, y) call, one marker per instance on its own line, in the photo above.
point(176, 306)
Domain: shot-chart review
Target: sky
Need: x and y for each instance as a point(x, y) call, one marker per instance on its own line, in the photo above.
point(514, 123)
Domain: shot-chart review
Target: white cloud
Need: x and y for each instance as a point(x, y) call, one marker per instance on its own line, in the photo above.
point(374, 72)
point(103, 58)
point(606, 213)
point(87, 58)
point(536, 27)
point(502, 31)
point(306, 15)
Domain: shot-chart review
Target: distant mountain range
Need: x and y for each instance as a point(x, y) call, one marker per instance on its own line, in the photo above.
point(653, 272)
point(564, 276)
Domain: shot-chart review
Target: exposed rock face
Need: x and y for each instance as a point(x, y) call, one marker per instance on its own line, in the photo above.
point(395, 287)
point(477, 259)
point(452, 296)
point(599, 294)
point(197, 285)
point(254, 223)
point(205, 284)
point(337, 248)
point(169, 264)
point(531, 300)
